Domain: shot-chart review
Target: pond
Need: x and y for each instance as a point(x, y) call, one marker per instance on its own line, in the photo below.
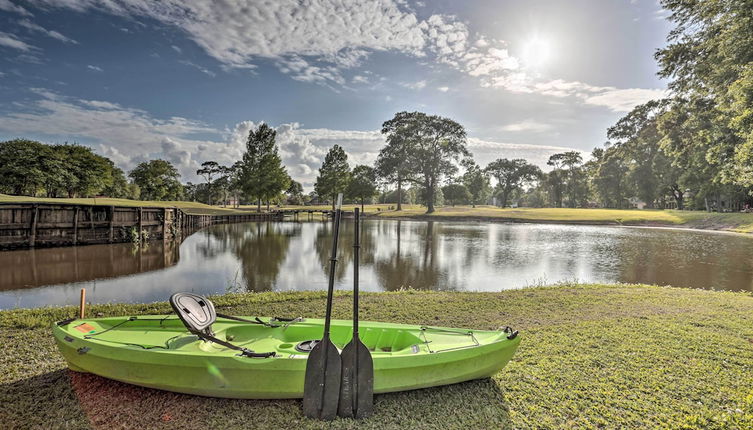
point(284, 256)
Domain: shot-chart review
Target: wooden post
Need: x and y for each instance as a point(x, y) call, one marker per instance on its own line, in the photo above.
point(164, 224)
point(141, 223)
point(75, 225)
point(93, 239)
point(33, 226)
point(82, 304)
point(112, 224)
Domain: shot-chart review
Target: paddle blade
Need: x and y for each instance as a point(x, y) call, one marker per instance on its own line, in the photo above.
point(357, 386)
point(321, 389)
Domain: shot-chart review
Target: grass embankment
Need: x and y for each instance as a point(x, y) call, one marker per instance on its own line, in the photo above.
point(594, 356)
point(739, 222)
point(193, 208)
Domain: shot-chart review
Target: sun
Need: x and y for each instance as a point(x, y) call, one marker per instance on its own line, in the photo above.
point(537, 52)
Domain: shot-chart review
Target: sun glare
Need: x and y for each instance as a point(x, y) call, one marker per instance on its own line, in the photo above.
point(536, 52)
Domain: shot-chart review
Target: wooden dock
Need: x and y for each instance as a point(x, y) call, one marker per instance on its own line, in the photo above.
point(308, 213)
point(41, 225)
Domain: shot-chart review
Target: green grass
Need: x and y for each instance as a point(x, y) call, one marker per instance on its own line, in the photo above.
point(591, 356)
point(739, 222)
point(194, 208)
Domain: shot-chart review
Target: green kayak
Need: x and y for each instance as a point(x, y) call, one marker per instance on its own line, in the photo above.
point(158, 351)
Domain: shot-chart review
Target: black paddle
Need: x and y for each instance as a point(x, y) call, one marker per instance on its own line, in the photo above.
point(321, 389)
point(357, 386)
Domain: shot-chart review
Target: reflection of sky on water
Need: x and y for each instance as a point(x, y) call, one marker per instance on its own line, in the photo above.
point(395, 254)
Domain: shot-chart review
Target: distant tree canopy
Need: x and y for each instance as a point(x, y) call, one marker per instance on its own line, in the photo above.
point(262, 177)
point(157, 180)
point(511, 175)
point(362, 184)
point(295, 193)
point(393, 165)
point(456, 194)
point(431, 147)
point(29, 167)
point(334, 175)
point(476, 181)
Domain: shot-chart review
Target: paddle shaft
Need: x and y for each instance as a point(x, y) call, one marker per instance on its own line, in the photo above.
point(332, 264)
point(356, 255)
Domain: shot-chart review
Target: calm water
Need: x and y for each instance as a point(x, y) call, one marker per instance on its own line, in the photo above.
point(395, 254)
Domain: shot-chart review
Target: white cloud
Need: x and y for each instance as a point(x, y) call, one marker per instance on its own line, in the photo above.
point(8, 6)
point(125, 134)
point(94, 68)
point(616, 99)
point(444, 89)
point(198, 67)
point(51, 33)
point(129, 136)
point(315, 41)
point(414, 85)
point(625, 100)
point(527, 125)
point(10, 41)
point(311, 40)
point(486, 151)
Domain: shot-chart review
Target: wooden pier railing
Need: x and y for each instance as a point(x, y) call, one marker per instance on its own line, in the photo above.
point(40, 225)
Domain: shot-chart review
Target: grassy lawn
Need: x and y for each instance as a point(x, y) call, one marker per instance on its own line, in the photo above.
point(194, 208)
point(740, 222)
point(591, 356)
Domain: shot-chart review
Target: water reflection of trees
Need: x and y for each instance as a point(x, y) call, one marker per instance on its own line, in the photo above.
point(404, 268)
point(260, 248)
point(52, 266)
point(323, 247)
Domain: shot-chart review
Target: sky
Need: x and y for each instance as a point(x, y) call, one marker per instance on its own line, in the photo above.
point(185, 80)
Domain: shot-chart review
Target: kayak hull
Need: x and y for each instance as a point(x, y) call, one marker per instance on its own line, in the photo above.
point(158, 352)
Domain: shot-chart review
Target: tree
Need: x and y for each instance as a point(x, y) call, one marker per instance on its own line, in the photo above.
point(392, 164)
point(22, 171)
point(262, 176)
point(120, 188)
point(295, 192)
point(208, 170)
point(334, 174)
point(362, 184)
point(567, 179)
point(157, 180)
point(434, 146)
point(86, 173)
point(456, 193)
point(511, 175)
point(708, 60)
point(476, 181)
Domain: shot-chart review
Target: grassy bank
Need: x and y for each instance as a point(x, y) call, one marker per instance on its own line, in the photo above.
point(592, 356)
point(738, 222)
point(194, 208)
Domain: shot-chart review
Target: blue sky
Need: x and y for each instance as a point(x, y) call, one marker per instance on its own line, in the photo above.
point(186, 80)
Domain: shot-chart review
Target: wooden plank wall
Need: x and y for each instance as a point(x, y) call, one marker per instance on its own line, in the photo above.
point(43, 225)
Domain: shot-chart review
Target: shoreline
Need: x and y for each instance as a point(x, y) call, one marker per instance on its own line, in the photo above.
point(599, 223)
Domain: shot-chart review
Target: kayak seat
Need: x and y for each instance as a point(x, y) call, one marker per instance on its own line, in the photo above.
point(196, 312)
